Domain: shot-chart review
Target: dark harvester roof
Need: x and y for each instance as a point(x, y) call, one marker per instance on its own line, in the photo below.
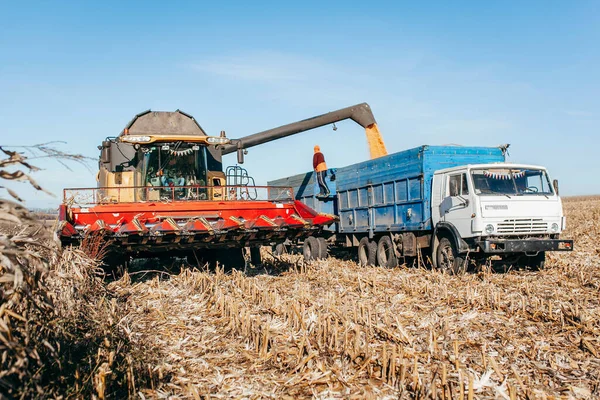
point(164, 123)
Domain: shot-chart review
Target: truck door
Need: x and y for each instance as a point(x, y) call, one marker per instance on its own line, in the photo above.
point(456, 206)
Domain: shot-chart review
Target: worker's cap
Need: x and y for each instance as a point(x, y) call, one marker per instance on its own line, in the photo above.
point(317, 148)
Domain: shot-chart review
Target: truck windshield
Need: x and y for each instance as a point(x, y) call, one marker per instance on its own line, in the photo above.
point(509, 181)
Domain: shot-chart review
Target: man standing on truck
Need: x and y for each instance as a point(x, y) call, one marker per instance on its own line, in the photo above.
point(320, 168)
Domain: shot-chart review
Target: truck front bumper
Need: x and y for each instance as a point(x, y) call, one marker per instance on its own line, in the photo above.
point(500, 246)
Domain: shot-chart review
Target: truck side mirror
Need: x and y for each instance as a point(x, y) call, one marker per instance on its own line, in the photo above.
point(555, 185)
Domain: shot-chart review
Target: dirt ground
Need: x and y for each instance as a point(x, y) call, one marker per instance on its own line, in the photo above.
point(335, 330)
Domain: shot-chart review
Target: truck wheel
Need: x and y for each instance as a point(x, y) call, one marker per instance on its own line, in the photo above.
point(280, 249)
point(536, 263)
point(386, 255)
point(255, 257)
point(322, 248)
point(447, 257)
point(367, 252)
point(311, 249)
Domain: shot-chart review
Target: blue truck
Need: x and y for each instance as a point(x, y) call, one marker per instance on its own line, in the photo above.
point(460, 204)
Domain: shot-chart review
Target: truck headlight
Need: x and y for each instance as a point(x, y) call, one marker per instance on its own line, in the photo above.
point(554, 227)
point(489, 229)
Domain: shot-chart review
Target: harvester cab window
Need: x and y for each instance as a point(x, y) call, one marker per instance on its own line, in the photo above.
point(174, 170)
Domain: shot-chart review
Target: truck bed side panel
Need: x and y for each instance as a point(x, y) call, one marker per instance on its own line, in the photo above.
point(382, 194)
point(387, 194)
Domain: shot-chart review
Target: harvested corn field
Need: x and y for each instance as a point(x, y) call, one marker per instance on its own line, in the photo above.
point(335, 330)
point(326, 330)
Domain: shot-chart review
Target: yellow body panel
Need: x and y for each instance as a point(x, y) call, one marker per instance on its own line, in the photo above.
point(121, 182)
point(216, 179)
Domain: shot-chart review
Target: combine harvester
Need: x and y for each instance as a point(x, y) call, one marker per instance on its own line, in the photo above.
point(162, 190)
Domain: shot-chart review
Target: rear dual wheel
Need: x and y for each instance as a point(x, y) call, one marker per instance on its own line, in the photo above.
point(314, 248)
point(280, 249)
point(367, 252)
point(374, 253)
point(386, 254)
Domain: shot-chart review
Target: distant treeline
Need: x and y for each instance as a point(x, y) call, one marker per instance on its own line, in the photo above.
point(44, 213)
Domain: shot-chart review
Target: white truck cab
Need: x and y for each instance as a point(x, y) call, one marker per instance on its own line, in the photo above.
point(503, 209)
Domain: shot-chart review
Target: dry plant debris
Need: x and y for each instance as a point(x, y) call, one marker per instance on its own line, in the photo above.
point(334, 330)
point(59, 325)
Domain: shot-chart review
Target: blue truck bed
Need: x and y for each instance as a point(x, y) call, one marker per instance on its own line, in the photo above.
point(387, 194)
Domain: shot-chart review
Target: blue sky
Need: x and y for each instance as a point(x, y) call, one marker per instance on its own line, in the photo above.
point(469, 73)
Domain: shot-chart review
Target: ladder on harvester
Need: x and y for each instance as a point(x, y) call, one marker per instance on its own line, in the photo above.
point(244, 184)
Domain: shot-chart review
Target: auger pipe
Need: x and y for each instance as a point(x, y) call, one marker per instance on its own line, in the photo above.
point(360, 113)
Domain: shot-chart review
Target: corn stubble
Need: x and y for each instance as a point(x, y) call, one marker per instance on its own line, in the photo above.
point(334, 330)
point(330, 329)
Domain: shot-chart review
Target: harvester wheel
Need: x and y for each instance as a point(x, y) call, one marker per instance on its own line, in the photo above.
point(255, 258)
point(367, 252)
point(115, 263)
point(386, 255)
point(311, 249)
point(322, 248)
point(232, 258)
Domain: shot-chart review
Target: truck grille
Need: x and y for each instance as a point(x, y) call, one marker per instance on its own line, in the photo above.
point(525, 225)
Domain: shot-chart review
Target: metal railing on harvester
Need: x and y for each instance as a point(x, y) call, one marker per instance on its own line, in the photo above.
point(87, 197)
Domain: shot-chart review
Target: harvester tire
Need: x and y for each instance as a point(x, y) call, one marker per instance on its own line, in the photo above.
point(386, 255)
point(322, 248)
point(311, 249)
point(367, 252)
point(114, 264)
point(255, 258)
point(232, 258)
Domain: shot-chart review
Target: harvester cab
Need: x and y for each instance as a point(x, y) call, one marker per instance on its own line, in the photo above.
point(162, 156)
point(162, 190)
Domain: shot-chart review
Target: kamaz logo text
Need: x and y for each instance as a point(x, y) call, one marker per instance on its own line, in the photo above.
point(496, 207)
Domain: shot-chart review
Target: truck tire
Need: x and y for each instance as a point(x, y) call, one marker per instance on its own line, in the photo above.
point(447, 257)
point(367, 252)
point(386, 255)
point(536, 263)
point(322, 248)
point(311, 249)
point(280, 249)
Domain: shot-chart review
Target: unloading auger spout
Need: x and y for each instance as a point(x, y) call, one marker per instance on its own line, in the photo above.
point(359, 113)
